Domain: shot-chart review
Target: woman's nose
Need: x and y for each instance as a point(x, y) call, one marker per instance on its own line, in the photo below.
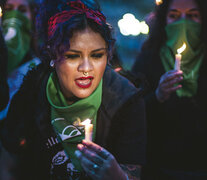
point(86, 65)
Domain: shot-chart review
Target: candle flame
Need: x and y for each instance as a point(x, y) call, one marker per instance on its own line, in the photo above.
point(0, 12)
point(158, 2)
point(180, 50)
point(86, 122)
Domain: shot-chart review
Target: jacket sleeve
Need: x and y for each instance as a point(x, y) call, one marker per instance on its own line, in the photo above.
point(4, 89)
point(129, 126)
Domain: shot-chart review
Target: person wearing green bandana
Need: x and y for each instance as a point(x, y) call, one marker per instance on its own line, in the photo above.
point(17, 28)
point(18, 31)
point(175, 99)
point(44, 128)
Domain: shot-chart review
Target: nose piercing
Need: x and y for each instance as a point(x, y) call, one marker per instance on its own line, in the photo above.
point(85, 73)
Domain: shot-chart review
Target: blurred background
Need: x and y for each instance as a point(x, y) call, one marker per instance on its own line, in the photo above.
point(127, 18)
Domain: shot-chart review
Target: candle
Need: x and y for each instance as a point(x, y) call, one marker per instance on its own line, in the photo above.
point(178, 57)
point(158, 2)
point(88, 129)
point(0, 14)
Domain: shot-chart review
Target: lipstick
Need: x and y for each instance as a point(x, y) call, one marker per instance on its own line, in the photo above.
point(84, 82)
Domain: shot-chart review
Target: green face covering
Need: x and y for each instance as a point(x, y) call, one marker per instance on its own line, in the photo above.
point(16, 28)
point(66, 118)
point(177, 33)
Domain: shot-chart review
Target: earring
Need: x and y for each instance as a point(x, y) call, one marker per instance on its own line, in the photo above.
point(52, 63)
point(85, 73)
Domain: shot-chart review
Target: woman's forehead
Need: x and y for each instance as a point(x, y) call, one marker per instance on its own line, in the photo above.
point(18, 2)
point(183, 5)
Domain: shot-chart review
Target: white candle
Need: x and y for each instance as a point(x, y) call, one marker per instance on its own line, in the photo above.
point(178, 57)
point(177, 61)
point(88, 129)
point(0, 15)
point(88, 132)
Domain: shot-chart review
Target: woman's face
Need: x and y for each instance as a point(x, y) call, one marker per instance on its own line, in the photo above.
point(18, 5)
point(84, 64)
point(183, 9)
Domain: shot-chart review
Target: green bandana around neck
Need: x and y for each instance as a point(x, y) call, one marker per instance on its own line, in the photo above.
point(65, 118)
point(16, 28)
point(184, 31)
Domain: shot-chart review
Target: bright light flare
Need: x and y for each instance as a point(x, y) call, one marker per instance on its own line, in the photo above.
point(158, 2)
point(1, 12)
point(86, 122)
point(181, 49)
point(129, 25)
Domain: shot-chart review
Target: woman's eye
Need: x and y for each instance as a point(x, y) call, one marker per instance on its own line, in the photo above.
point(193, 15)
point(71, 56)
point(173, 15)
point(8, 8)
point(97, 55)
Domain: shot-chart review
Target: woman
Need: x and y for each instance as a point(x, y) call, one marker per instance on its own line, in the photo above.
point(74, 83)
point(18, 29)
point(176, 99)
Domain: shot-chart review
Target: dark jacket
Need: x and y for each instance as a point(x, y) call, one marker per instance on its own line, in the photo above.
point(177, 128)
point(120, 123)
point(4, 90)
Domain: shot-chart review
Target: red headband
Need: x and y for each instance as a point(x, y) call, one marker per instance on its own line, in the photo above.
point(78, 8)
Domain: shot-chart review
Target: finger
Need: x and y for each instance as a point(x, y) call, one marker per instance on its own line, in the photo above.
point(90, 154)
point(173, 89)
point(168, 78)
point(98, 149)
point(90, 168)
point(171, 83)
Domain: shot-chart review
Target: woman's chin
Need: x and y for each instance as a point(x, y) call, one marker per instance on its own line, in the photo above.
point(83, 93)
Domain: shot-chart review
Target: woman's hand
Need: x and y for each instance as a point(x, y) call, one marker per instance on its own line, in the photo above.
point(166, 84)
point(98, 163)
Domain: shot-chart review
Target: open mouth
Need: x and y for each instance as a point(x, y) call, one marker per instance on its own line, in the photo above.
point(84, 82)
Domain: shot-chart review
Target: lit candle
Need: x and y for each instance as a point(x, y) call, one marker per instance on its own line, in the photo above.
point(0, 14)
point(158, 2)
point(88, 129)
point(178, 57)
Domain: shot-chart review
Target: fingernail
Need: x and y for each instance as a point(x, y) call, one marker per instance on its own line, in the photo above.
point(80, 146)
point(85, 142)
point(77, 153)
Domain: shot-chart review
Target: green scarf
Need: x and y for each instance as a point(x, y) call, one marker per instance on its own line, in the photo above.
point(65, 118)
point(16, 28)
point(177, 33)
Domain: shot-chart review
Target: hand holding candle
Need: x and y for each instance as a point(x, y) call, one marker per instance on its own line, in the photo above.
point(88, 129)
point(178, 57)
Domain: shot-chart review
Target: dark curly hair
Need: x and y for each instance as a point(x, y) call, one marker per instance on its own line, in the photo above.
point(54, 48)
point(157, 35)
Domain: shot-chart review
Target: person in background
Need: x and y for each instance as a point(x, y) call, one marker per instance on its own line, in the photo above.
point(18, 29)
point(19, 34)
point(176, 100)
point(44, 127)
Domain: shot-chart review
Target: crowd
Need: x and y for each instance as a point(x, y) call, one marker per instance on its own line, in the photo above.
point(57, 63)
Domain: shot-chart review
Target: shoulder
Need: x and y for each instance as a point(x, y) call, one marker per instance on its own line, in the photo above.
point(117, 90)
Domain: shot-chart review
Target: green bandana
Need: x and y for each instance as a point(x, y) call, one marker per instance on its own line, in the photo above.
point(66, 118)
point(16, 29)
point(177, 33)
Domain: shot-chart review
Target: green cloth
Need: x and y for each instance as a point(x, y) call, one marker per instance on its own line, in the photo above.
point(177, 33)
point(16, 28)
point(65, 118)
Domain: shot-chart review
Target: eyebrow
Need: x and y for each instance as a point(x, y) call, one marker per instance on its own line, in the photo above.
point(193, 9)
point(92, 51)
point(190, 10)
